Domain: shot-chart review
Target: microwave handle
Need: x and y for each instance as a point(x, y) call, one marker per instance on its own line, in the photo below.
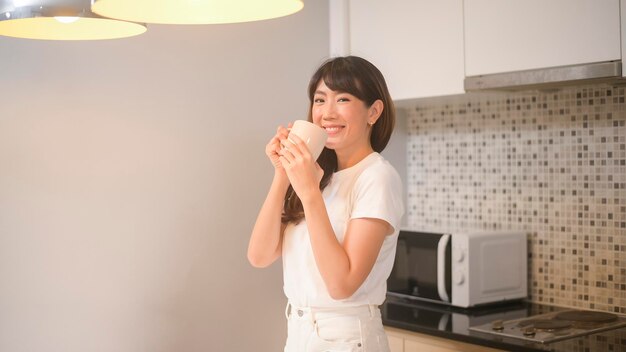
point(441, 267)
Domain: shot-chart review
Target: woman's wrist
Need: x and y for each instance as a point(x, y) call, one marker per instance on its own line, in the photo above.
point(280, 179)
point(310, 197)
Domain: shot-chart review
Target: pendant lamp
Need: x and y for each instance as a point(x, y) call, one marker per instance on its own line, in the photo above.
point(195, 11)
point(60, 20)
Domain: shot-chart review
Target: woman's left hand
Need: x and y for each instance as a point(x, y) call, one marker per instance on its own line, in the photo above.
point(303, 171)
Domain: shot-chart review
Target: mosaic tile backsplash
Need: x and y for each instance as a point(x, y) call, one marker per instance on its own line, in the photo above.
point(551, 163)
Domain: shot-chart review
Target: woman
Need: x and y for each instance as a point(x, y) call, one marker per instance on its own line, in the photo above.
point(334, 223)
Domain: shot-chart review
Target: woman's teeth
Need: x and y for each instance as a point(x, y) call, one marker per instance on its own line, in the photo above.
point(332, 129)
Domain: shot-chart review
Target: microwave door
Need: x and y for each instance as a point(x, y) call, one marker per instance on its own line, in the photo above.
point(422, 265)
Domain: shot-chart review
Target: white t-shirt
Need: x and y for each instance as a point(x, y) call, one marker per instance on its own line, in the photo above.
point(370, 189)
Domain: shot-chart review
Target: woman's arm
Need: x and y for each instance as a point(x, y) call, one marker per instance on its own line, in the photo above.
point(266, 239)
point(345, 267)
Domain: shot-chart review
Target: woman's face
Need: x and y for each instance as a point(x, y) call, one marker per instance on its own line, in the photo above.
point(344, 117)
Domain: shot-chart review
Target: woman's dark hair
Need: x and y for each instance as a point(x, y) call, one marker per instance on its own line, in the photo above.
point(358, 77)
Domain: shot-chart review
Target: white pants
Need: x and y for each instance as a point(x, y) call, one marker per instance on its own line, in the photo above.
point(351, 329)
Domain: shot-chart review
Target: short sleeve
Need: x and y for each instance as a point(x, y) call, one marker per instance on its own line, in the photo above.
point(377, 194)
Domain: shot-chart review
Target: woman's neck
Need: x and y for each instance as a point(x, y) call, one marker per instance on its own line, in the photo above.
point(349, 159)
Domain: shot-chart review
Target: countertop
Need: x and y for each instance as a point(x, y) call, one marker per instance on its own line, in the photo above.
point(453, 323)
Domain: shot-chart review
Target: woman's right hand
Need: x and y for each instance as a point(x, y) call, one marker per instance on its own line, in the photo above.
point(272, 148)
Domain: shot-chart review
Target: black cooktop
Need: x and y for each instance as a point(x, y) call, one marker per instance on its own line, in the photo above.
point(454, 323)
point(550, 327)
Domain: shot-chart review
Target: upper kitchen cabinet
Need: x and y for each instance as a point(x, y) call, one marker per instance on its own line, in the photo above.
point(513, 35)
point(417, 44)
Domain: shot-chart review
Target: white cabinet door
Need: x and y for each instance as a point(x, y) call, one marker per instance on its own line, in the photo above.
point(396, 344)
point(420, 346)
point(514, 35)
point(417, 44)
point(408, 341)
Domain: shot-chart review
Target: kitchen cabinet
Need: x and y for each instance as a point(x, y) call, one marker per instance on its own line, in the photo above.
point(396, 341)
point(417, 45)
point(512, 35)
point(409, 341)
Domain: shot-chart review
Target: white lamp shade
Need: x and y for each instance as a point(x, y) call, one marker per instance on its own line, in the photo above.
point(60, 20)
point(195, 11)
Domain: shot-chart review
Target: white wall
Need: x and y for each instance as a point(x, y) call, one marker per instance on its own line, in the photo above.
point(131, 172)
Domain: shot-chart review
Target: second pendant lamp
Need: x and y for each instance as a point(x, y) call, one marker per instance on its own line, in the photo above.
point(60, 20)
point(195, 11)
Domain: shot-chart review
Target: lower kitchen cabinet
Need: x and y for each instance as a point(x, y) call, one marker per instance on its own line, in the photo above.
point(409, 341)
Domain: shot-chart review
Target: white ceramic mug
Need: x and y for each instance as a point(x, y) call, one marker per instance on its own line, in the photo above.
point(313, 135)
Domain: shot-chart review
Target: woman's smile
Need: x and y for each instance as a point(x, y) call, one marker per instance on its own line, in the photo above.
point(332, 130)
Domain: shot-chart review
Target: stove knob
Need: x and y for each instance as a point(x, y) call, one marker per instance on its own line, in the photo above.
point(528, 331)
point(497, 325)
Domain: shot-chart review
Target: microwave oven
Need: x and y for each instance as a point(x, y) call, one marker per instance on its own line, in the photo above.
point(462, 269)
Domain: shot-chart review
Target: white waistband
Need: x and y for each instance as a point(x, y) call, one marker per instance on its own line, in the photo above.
point(311, 311)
